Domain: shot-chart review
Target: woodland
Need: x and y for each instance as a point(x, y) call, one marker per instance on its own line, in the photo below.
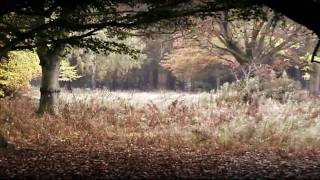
point(147, 89)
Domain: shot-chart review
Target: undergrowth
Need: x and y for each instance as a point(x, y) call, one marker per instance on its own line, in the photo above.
point(224, 122)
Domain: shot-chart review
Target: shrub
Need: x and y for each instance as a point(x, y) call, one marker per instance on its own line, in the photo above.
point(17, 71)
point(247, 90)
point(67, 72)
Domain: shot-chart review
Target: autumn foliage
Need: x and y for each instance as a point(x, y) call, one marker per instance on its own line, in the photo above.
point(17, 71)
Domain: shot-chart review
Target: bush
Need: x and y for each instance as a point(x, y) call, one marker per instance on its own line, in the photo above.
point(17, 71)
point(247, 90)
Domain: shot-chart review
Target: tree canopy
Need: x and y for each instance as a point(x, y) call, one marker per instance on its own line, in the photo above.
point(73, 22)
point(52, 23)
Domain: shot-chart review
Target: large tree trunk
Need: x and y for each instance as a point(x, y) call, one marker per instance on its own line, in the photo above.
point(49, 99)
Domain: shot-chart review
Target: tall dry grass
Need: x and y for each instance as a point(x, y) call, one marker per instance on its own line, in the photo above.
point(216, 121)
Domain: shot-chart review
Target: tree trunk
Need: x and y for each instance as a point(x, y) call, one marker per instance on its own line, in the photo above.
point(171, 81)
point(3, 141)
point(155, 77)
point(93, 76)
point(218, 83)
point(188, 85)
point(126, 83)
point(114, 80)
point(49, 99)
point(314, 83)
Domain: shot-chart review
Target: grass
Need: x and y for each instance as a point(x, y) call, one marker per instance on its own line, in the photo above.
point(168, 120)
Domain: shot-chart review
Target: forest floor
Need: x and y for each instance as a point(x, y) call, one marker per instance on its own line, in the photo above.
point(155, 164)
point(161, 135)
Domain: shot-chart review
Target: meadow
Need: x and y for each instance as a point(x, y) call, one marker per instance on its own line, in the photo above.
point(213, 121)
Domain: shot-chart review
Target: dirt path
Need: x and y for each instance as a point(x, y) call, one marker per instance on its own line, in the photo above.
point(154, 164)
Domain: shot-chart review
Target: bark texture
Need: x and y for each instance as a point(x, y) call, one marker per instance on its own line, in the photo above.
point(50, 65)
